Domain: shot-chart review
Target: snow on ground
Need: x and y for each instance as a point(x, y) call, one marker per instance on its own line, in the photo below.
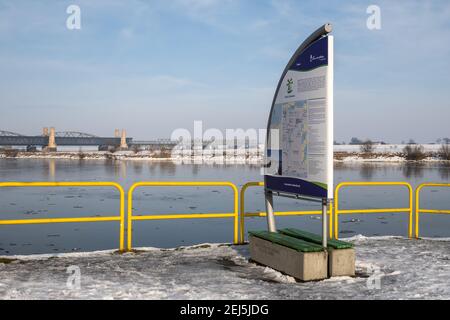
point(384, 148)
point(387, 268)
point(389, 153)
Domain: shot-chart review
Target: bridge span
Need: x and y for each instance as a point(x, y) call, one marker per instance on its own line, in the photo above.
point(49, 140)
point(69, 138)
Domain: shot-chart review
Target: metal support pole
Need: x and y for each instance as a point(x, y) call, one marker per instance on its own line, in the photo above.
point(324, 222)
point(270, 216)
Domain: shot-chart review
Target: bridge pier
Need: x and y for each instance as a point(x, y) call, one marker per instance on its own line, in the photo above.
point(51, 147)
point(123, 141)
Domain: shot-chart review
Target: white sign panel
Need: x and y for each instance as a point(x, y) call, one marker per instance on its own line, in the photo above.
point(299, 153)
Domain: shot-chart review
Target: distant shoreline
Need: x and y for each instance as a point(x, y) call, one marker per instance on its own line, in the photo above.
point(249, 158)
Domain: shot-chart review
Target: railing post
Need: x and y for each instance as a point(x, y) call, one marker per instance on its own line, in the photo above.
point(236, 212)
point(417, 210)
point(242, 213)
point(129, 217)
point(410, 227)
point(324, 222)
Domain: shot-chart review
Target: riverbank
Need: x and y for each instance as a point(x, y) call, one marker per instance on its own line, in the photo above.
point(387, 268)
point(231, 157)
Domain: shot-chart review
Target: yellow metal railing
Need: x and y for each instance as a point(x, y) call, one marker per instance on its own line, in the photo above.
point(120, 218)
point(234, 214)
point(238, 213)
point(419, 210)
point(244, 214)
point(338, 211)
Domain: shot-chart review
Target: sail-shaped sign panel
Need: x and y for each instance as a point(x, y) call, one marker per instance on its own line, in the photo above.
point(299, 146)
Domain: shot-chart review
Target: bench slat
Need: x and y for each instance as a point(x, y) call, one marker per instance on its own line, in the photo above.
point(287, 241)
point(314, 238)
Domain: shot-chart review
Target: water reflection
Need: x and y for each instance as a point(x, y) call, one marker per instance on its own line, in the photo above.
point(116, 168)
point(119, 169)
point(138, 167)
point(110, 168)
point(413, 170)
point(367, 171)
point(166, 167)
point(195, 169)
point(444, 171)
point(49, 170)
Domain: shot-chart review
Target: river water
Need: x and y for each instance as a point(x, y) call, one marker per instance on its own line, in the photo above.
point(32, 203)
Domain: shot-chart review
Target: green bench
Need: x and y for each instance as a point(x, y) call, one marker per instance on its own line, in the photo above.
point(296, 257)
point(314, 238)
point(300, 254)
point(287, 240)
point(341, 254)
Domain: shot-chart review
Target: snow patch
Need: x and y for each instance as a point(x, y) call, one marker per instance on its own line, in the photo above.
point(403, 268)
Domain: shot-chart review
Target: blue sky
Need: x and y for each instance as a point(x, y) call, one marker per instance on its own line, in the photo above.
point(154, 66)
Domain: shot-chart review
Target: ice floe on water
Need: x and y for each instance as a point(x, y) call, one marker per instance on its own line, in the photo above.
point(387, 268)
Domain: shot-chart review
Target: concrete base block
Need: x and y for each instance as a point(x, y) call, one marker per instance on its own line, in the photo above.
point(49, 149)
point(305, 266)
point(341, 262)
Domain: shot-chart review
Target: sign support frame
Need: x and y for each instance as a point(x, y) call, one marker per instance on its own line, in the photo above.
point(319, 33)
point(271, 225)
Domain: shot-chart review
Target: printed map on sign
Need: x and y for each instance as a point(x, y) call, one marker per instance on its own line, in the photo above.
point(299, 152)
point(294, 139)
